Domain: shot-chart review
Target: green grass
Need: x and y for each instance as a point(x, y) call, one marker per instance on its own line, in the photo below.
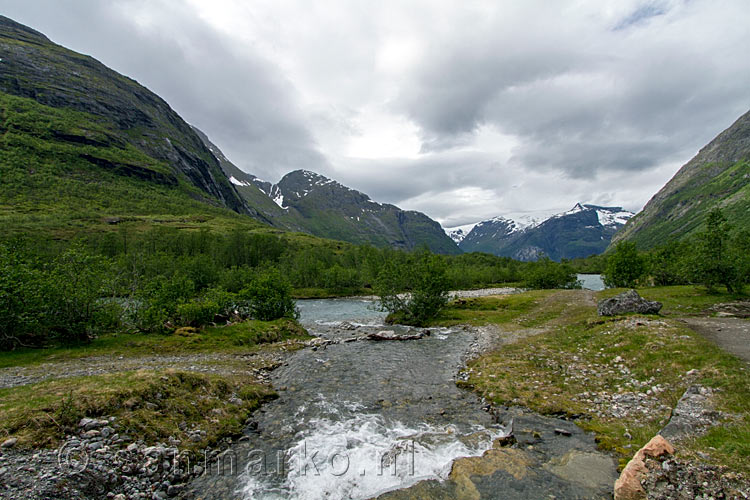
point(549, 371)
point(684, 300)
point(485, 310)
point(148, 405)
point(245, 336)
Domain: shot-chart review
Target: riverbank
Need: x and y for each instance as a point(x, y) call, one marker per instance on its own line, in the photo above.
point(139, 410)
point(620, 377)
point(133, 414)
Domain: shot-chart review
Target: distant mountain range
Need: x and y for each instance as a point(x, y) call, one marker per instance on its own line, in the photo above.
point(581, 231)
point(718, 176)
point(309, 202)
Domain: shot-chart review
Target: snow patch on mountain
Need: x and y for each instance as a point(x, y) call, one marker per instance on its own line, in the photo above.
point(238, 182)
point(458, 233)
point(613, 218)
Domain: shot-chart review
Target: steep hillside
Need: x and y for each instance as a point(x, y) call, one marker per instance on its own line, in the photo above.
point(718, 176)
point(82, 141)
point(582, 231)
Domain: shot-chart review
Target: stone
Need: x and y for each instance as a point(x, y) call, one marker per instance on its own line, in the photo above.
point(628, 302)
point(628, 485)
point(9, 443)
point(589, 469)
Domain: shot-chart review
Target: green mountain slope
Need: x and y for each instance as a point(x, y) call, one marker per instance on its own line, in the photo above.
point(82, 142)
point(718, 176)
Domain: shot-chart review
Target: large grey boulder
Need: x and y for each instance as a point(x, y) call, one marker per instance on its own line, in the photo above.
point(628, 302)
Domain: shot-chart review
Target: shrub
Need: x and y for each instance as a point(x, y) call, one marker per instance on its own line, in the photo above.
point(76, 283)
point(428, 282)
point(545, 274)
point(160, 298)
point(23, 300)
point(197, 313)
point(269, 296)
point(625, 266)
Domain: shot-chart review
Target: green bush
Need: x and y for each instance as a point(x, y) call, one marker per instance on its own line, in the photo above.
point(427, 283)
point(159, 299)
point(269, 297)
point(546, 274)
point(76, 287)
point(197, 313)
point(625, 266)
point(23, 300)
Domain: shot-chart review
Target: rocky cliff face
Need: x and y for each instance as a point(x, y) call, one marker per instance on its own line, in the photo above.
point(309, 202)
point(329, 209)
point(32, 66)
point(582, 231)
point(718, 176)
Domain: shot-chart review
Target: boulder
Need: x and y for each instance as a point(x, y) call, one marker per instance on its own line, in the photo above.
point(628, 302)
point(628, 485)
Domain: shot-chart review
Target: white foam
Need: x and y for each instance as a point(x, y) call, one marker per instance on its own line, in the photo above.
point(363, 456)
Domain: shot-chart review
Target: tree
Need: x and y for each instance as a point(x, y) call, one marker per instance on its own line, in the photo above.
point(721, 258)
point(548, 274)
point(427, 281)
point(625, 266)
point(269, 296)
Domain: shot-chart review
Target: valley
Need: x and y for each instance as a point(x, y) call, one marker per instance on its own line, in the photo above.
point(172, 325)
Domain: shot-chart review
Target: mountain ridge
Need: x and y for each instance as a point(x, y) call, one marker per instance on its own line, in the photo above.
point(718, 176)
point(309, 202)
point(584, 230)
point(36, 68)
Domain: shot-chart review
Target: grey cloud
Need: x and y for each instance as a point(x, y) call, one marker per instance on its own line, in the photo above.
point(601, 104)
point(235, 95)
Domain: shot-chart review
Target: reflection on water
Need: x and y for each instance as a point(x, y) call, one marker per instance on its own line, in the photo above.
point(591, 281)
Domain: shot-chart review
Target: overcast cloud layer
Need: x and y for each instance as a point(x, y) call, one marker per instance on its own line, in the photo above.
point(462, 110)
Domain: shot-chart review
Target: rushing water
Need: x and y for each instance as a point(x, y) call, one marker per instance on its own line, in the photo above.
point(359, 418)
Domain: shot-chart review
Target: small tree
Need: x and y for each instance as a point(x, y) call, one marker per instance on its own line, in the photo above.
point(269, 296)
point(427, 281)
point(546, 273)
point(625, 266)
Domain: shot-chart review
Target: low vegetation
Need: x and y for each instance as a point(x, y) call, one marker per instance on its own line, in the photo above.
point(148, 405)
point(716, 256)
point(618, 377)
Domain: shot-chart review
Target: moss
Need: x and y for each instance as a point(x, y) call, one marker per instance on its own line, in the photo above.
point(148, 405)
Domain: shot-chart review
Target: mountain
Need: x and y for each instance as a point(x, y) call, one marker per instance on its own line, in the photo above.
point(718, 176)
point(582, 231)
point(309, 202)
point(86, 147)
point(83, 142)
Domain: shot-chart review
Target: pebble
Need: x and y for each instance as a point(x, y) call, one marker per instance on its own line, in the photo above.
point(9, 443)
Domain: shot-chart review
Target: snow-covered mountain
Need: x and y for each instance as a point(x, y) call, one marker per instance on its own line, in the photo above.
point(579, 232)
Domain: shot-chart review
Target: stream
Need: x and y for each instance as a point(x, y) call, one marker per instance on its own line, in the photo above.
point(359, 418)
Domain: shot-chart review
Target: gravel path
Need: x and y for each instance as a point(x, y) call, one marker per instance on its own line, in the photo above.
point(731, 334)
point(219, 363)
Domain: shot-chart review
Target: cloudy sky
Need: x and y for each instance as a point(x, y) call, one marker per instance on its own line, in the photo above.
point(463, 110)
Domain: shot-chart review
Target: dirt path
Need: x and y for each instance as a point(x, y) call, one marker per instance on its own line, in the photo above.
point(731, 334)
point(217, 363)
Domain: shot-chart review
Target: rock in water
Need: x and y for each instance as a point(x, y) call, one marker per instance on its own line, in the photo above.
point(628, 302)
